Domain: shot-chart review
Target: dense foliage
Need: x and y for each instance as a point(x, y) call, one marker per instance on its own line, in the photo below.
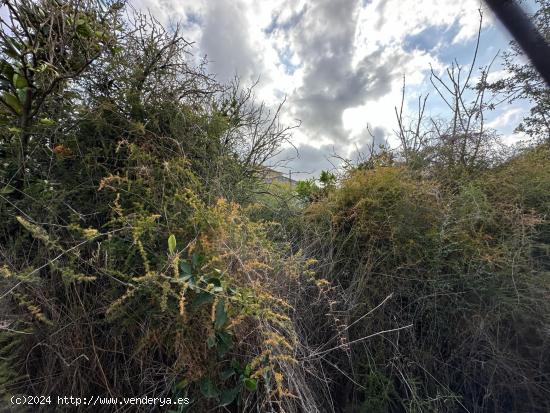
point(141, 253)
point(466, 270)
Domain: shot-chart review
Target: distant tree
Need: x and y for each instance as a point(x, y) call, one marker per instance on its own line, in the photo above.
point(307, 189)
point(524, 81)
point(458, 143)
point(327, 179)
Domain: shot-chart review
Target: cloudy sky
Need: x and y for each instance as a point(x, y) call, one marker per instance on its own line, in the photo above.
point(339, 63)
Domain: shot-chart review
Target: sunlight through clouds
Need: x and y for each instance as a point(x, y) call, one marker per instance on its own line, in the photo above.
point(340, 64)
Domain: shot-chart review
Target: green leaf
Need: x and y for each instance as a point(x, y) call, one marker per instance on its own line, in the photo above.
point(19, 81)
point(208, 389)
point(185, 267)
point(46, 122)
point(229, 395)
point(227, 373)
point(12, 102)
point(6, 190)
point(172, 243)
point(83, 28)
point(225, 342)
point(221, 315)
point(197, 259)
point(202, 298)
point(250, 384)
point(236, 366)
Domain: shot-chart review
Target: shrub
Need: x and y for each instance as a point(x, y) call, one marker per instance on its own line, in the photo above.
point(459, 268)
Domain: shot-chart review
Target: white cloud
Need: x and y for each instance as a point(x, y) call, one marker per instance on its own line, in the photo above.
point(340, 63)
point(388, 22)
point(507, 119)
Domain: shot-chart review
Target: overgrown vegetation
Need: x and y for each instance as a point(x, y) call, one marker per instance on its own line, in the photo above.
point(141, 254)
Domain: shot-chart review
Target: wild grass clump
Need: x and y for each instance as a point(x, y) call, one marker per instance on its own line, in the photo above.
point(463, 268)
